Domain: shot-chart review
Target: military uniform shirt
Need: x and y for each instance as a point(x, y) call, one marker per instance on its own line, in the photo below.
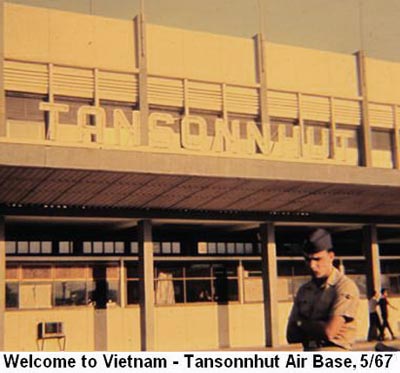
point(338, 296)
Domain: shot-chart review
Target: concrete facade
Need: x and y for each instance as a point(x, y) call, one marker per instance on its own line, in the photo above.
point(157, 183)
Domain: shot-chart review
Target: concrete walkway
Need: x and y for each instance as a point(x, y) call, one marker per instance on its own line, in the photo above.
point(359, 346)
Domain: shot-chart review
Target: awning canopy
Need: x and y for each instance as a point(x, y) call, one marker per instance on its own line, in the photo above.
point(42, 176)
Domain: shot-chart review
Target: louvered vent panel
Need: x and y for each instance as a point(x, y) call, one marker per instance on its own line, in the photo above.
point(25, 77)
point(398, 115)
point(315, 108)
point(242, 100)
point(118, 86)
point(282, 104)
point(165, 91)
point(381, 115)
point(69, 81)
point(347, 111)
point(205, 96)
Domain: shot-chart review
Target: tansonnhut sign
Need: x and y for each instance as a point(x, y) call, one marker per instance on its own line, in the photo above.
point(197, 134)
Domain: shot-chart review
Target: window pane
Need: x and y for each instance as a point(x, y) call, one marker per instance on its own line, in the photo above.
point(198, 290)
point(179, 291)
point(134, 247)
point(240, 247)
point(212, 247)
point(252, 269)
point(132, 292)
point(176, 247)
point(156, 247)
point(108, 247)
point(198, 270)
point(97, 247)
point(70, 293)
point(132, 270)
point(46, 247)
point(70, 272)
point(12, 295)
point(226, 289)
point(65, 247)
point(11, 247)
point(230, 248)
point(36, 272)
point(23, 247)
point(248, 248)
point(87, 247)
point(175, 269)
point(113, 292)
point(11, 272)
point(221, 248)
point(34, 247)
point(166, 247)
point(119, 247)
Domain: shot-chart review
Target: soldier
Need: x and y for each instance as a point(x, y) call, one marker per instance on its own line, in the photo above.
point(324, 309)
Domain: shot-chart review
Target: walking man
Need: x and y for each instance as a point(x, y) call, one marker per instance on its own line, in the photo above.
point(375, 331)
point(384, 305)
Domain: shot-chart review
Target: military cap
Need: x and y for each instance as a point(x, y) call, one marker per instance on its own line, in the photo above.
point(319, 240)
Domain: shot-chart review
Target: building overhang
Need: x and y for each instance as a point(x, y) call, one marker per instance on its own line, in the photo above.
point(79, 181)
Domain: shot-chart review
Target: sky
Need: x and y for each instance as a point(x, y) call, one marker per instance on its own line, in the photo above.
point(343, 26)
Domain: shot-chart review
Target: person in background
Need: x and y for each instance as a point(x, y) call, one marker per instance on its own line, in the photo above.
point(384, 305)
point(324, 311)
point(375, 331)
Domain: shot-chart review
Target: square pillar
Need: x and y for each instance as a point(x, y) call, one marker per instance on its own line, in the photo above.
point(270, 284)
point(371, 253)
point(146, 285)
point(2, 280)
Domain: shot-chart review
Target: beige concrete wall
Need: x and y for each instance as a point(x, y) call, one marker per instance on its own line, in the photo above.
point(21, 329)
point(48, 35)
point(209, 326)
point(200, 55)
point(311, 71)
point(122, 324)
point(383, 80)
point(186, 327)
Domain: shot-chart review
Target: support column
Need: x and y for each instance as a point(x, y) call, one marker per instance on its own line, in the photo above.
point(263, 84)
point(146, 285)
point(140, 30)
point(366, 138)
point(122, 283)
point(270, 280)
point(371, 253)
point(2, 280)
point(240, 270)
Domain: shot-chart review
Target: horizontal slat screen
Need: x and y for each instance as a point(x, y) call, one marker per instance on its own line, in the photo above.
point(166, 91)
point(315, 108)
point(26, 77)
point(207, 96)
point(74, 82)
point(118, 86)
point(242, 100)
point(282, 104)
point(347, 111)
point(381, 115)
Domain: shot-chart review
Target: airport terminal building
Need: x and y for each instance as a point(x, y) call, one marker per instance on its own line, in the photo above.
point(157, 184)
